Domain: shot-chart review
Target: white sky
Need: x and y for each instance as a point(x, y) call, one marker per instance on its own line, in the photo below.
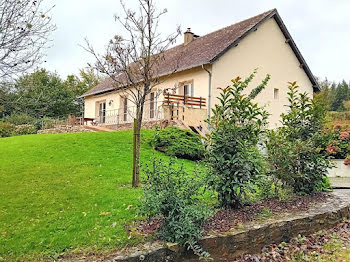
point(320, 28)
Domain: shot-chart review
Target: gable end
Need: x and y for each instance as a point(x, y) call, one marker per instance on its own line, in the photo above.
point(274, 14)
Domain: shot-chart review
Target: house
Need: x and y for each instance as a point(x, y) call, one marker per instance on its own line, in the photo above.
point(205, 63)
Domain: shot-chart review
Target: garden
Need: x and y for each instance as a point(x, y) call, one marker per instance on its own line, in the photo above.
point(247, 172)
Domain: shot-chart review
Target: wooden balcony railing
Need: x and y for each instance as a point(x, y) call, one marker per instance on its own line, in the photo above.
point(170, 99)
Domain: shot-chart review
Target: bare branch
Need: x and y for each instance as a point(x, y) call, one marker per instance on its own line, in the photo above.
point(24, 30)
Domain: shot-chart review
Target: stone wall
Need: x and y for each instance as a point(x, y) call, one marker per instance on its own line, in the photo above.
point(147, 125)
point(65, 129)
point(250, 238)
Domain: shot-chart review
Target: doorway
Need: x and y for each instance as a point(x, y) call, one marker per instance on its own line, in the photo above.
point(102, 112)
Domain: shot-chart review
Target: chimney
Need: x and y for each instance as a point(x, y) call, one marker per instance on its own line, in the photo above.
point(188, 36)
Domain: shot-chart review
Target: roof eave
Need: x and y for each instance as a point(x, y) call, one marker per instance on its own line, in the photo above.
point(298, 54)
point(161, 75)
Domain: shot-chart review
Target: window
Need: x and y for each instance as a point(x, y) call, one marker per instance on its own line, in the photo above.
point(125, 109)
point(152, 106)
point(186, 88)
point(276, 93)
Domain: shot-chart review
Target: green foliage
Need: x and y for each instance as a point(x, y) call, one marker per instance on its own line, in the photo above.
point(270, 187)
point(178, 142)
point(170, 192)
point(20, 119)
point(335, 94)
point(323, 185)
point(293, 150)
point(237, 125)
point(45, 94)
point(86, 80)
point(6, 129)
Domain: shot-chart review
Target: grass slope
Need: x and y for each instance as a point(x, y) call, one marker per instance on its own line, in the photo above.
point(66, 192)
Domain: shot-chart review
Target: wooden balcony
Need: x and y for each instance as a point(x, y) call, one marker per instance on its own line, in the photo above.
point(170, 99)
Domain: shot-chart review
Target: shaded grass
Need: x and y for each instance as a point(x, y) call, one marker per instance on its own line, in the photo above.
point(66, 192)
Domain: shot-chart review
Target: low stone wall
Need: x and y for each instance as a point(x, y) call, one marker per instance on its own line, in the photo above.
point(340, 170)
point(146, 125)
point(65, 129)
point(251, 238)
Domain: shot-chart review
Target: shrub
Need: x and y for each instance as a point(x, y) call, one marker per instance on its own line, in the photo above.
point(232, 154)
point(6, 129)
point(293, 150)
point(20, 119)
point(172, 193)
point(178, 142)
point(25, 130)
point(337, 143)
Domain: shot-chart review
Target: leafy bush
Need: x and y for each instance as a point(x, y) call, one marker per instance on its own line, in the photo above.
point(178, 142)
point(232, 154)
point(6, 129)
point(336, 143)
point(293, 150)
point(170, 192)
point(20, 119)
point(25, 130)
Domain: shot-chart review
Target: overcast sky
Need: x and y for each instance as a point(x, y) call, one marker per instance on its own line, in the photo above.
point(320, 28)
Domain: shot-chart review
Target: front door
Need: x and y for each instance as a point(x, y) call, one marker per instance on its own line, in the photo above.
point(102, 112)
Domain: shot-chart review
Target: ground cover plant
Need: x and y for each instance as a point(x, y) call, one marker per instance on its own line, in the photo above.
point(64, 193)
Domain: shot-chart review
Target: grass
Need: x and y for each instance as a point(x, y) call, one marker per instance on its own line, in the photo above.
point(64, 193)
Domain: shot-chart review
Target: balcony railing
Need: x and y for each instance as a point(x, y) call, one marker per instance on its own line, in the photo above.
point(123, 116)
point(170, 99)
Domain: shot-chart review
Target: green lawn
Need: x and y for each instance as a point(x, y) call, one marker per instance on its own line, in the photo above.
point(67, 192)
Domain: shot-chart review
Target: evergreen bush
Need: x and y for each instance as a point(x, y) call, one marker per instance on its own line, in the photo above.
point(177, 142)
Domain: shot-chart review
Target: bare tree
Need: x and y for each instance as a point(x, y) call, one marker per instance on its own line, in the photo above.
point(24, 30)
point(133, 62)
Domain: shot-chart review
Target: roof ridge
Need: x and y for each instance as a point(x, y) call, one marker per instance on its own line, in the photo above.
point(241, 21)
point(217, 30)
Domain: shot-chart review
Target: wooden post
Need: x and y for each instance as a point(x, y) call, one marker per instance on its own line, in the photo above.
point(177, 111)
point(200, 102)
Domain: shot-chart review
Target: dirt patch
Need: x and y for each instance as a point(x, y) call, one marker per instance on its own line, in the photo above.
point(226, 219)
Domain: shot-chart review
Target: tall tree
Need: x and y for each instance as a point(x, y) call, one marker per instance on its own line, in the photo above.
point(132, 62)
point(43, 94)
point(24, 30)
point(342, 93)
point(87, 79)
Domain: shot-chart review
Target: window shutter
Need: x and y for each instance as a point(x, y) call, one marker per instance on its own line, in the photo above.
point(192, 89)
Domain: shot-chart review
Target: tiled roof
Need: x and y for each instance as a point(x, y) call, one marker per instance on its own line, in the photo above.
point(202, 50)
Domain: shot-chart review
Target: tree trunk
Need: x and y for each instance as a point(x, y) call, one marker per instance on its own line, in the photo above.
point(136, 149)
